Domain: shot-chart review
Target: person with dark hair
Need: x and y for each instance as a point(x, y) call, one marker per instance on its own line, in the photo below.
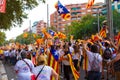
point(65, 61)
point(24, 67)
point(76, 57)
point(94, 62)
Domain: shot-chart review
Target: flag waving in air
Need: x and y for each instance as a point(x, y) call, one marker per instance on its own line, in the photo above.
point(90, 3)
point(64, 13)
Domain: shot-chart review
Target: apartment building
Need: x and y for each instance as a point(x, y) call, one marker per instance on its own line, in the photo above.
point(77, 11)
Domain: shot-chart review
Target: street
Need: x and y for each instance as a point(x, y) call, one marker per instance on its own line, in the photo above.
point(12, 75)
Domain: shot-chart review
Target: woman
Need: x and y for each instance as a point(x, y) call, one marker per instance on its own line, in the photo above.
point(76, 57)
point(65, 61)
point(94, 63)
point(24, 67)
point(42, 71)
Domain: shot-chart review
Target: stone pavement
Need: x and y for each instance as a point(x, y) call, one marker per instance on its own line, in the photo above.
point(3, 74)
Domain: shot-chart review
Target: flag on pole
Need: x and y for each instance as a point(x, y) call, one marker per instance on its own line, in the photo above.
point(2, 6)
point(63, 12)
point(90, 3)
point(102, 33)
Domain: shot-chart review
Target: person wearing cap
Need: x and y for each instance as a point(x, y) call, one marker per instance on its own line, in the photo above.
point(24, 67)
point(42, 71)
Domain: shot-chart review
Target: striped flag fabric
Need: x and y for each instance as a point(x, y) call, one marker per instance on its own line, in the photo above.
point(53, 61)
point(102, 33)
point(2, 6)
point(63, 12)
point(90, 3)
point(74, 71)
point(118, 38)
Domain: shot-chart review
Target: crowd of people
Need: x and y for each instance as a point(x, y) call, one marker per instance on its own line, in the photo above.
point(30, 62)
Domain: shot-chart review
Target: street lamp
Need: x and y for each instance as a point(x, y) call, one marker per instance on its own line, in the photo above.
point(98, 20)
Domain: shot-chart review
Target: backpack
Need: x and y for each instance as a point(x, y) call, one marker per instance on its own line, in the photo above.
point(95, 64)
point(107, 54)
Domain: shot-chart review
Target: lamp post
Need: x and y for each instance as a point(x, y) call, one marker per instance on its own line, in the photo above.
point(109, 18)
point(98, 20)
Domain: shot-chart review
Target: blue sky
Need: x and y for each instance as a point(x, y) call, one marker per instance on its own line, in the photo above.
point(40, 13)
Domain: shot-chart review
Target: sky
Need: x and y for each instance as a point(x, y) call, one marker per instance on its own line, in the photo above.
point(40, 13)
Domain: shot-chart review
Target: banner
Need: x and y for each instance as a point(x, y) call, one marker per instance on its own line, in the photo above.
point(2, 6)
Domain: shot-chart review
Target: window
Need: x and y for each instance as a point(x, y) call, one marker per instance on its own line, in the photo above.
point(94, 10)
point(83, 12)
point(94, 14)
point(83, 8)
point(75, 8)
point(89, 10)
point(73, 18)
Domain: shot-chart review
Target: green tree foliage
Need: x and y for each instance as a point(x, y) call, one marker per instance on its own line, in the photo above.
point(116, 20)
point(27, 40)
point(85, 27)
point(2, 38)
point(16, 12)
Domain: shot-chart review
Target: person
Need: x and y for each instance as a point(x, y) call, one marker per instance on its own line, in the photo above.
point(65, 61)
point(116, 61)
point(94, 62)
point(24, 67)
point(45, 71)
point(76, 57)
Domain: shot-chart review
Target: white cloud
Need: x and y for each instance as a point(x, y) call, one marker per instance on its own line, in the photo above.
point(40, 13)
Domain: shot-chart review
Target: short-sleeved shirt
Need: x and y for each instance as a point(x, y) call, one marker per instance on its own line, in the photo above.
point(91, 57)
point(23, 69)
point(45, 73)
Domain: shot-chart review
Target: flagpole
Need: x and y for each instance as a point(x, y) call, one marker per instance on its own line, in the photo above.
point(47, 15)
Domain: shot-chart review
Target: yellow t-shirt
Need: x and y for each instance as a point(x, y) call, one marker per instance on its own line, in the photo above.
point(1, 52)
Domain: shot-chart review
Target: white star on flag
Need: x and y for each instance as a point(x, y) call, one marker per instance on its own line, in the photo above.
point(56, 53)
point(60, 9)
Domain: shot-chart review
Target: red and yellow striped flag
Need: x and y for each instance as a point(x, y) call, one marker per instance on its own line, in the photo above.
point(118, 38)
point(74, 71)
point(90, 3)
point(102, 33)
point(53, 63)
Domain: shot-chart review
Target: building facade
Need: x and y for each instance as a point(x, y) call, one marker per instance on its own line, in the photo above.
point(77, 11)
point(38, 26)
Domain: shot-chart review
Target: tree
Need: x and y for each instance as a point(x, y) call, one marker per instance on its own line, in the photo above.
point(16, 12)
point(116, 20)
point(85, 27)
point(2, 38)
point(28, 39)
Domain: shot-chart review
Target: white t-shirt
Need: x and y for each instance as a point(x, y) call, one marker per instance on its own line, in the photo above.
point(24, 72)
point(6, 53)
point(45, 73)
point(71, 49)
point(91, 57)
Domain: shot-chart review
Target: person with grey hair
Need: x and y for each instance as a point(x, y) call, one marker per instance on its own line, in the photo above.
point(24, 67)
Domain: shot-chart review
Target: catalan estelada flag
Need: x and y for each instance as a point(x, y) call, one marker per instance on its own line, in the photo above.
point(2, 6)
point(74, 71)
point(102, 33)
point(63, 12)
point(90, 3)
point(53, 61)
